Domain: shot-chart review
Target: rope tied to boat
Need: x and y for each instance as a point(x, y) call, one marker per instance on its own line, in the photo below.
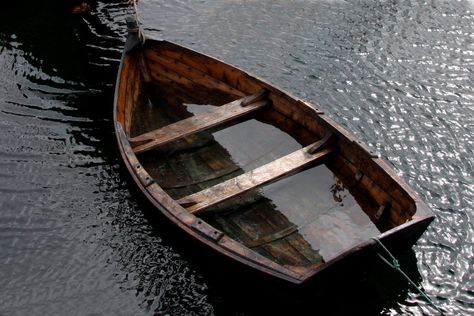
point(396, 265)
point(138, 29)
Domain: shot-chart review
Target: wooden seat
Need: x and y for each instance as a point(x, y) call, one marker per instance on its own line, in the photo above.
point(265, 174)
point(199, 122)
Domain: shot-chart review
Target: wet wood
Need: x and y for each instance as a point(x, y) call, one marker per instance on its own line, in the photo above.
point(381, 211)
point(161, 73)
point(194, 124)
point(259, 225)
point(201, 175)
point(192, 74)
point(145, 70)
point(272, 237)
point(122, 92)
point(196, 60)
point(286, 253)
point(133, 91)
point(265, 174)
point(259, 96)
point(320, 144)
point(371, 196)
point(287, 125)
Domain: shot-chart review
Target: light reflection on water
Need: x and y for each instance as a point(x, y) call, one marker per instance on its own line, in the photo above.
point(76, 238)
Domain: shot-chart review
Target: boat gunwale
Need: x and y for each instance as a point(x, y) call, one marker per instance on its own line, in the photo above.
point(422, 216)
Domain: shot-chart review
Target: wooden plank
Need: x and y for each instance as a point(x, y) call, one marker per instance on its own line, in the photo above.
point(320, 144)
point(144, 68)
point(215, 68)
point(122, 90)
point(272, 237)
point(296, 110)
point(192, 125)
point(265, 174)
point(190, 73)
point(161, 73)
point(259, 96)
point(134, 88)
point(200, 62)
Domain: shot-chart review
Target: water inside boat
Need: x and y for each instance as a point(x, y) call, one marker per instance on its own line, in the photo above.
point(300, 220)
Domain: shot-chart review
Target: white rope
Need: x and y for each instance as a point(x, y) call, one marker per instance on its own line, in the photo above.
point(141, 34)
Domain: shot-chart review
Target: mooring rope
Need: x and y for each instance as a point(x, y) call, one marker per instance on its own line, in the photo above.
point(396, 265)
point(141, 34)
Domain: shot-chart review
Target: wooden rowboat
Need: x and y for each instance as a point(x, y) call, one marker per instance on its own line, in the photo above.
point(259, 176)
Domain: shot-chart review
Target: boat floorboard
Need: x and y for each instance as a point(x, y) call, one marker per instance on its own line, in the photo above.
point(267, 231)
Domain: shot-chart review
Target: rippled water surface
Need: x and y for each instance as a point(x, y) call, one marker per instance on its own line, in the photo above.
point(76, 238)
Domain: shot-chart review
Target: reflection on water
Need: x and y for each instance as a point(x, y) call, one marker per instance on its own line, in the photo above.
point(75, 238)
point(328, 224)
point(252, 144)
point(72, 239)
point(313, 201)
point(300, 221)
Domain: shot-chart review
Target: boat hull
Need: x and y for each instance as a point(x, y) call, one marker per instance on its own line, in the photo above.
point(360, 170)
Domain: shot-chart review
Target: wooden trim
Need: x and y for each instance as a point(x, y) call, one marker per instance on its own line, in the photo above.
point(192, 125)
point(268, 173)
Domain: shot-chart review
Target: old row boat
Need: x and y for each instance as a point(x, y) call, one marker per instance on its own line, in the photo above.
point(252, 172)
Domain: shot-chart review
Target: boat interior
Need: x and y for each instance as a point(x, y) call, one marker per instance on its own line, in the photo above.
point(251, 161)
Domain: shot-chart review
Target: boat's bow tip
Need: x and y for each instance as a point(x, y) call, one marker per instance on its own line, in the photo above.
point(135, 35)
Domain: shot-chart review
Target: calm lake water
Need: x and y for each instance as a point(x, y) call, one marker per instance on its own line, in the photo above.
point(76, 237)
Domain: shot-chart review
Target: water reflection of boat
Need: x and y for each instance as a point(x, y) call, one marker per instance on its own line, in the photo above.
point(254, 173)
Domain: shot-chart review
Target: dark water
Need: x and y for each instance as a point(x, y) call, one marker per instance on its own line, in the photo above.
point(76, 238)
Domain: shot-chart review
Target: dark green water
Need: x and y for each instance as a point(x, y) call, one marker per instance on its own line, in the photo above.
point(76, 238)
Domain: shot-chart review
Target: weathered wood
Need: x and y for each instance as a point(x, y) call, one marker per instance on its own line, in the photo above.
point(272, 237)
point(161, 73)
point(367, 192)
point(129, 94)
point(265, 174)
point(320, 144)
point(194, 124)
point(145, 71)
point(134, 91)
point(190, 73)
point(258, 224)
point(252, 220)
point(122, 92)
point(381, 211)
point(197, 61)
point(295, 109)
point(260, 95)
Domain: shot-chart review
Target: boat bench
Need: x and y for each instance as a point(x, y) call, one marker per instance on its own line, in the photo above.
point(199, 122)
point(273, 171)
